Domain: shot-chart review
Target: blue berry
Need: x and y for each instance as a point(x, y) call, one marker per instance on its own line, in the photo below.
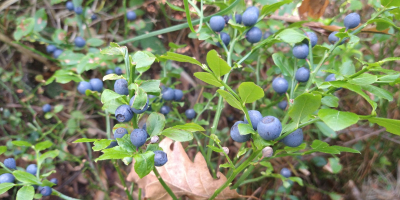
point(54, 180)
point(352, 20)
point(280, 85)
point(160, 158)
point(50, 48)
point(225, 39)
point(217, 23)
point(120, 132)
point(121, 87)
point(138, 137)
point(46, 108)
point(255, 118)
point(94, 17)
point(57, 53)
point(109, 71)
point(118, 70)
point(131, 15)
point(190, 113)
point(10, 163)
point(313, 38)
point(45, 191)
point(69, 5)
point(123, 113)
point(254, 9)
point(7, 178)
point(235, 135)
point(178, 94)
point(168, 94)
point(330, 77)
point(285, 172)
point(300, 51)
point(78, 10)
point(250, 17)
point(97, 84)
point(267, 34)
point(254, 35)
point(294, 139)
point(282, 105)
point(137, 111)
point(32, 169)
point(333, 38)
point(80, 42)
point(83, 86)
point(230, 118)
point(238, 18)
point(227, 18)
point(269, 128)
point(302, 74)
point(165, 110)
point(112, 144)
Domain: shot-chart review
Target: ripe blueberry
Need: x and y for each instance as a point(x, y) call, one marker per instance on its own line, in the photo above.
point(285, 172)
point(138, 137)
point(121, 87)
point(280, 85)
point(254, 35)
point(302, 74)
point(178, 94)
point(267, 34)
point(46, 108)
point(160, 158)
point(78, 10)
point(255, 118)
point(83, 86)
point(32, 169)
point(282, 105)
point(269, 128)
point(235, 135)
point(123, 113)
point(69, 5)
point(7, 178)
point(120, 132)
point(168, 94)
point(137, 111)
point(352, 20)
point(80, 42)
point(313, 37)
point(10, 163)
point(96, 84)
point(131, 15)
point(94, 17)
point(217, 23)
point(45, 191)
point(54, 180)
point(225, 39)
point(300, 51)
point(227, 18)
point(294, 139)
point(330, 77)
point(250, 17)
point(333, 38)
point(190, 113)
point(57, 53)
point(109, 71)
point(165, 110)
point(118, 70)
point(50, 48)
point(112, 144)
point(254, 9)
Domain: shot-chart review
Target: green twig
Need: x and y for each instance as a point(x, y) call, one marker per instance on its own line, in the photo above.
point(121, 178)
point(165, 186)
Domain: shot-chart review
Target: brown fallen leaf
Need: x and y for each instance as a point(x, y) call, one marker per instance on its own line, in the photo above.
point(312, 8)
point(184, 177)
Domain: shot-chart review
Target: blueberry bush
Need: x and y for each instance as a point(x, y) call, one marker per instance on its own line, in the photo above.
point(261, 98)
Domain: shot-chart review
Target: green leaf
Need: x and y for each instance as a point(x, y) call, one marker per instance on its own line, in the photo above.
point(58, 108)
point(297, 180)
point(260, 143)
point(283, 63)
point(26, 177)
point(345, 149)
point(40, 20)
point(217, 64)
point(241, 152)
point(63, 76)
point(249, 92)
point(363, 79)
point(230, 99)
point(216, 149)
point(192, 127)
point(208, 78)
point(155, 123)
point(95, 42)
point(143, 60)
point(43, 145)
point(114, 49)
point(140, 97)
point(125, 143)
point(151, 87)
point(391, 125)
point(326, 130)
point(59, 36)
point(26, 193)
point(173, 7)
point(245, 129)
point(381, 93)
point(21, 143)
point(49, 154)
point(267, 9)
point(4, 187)
point(335, 165)
point(390, 3)
point(337, 120)
point(291, 36)
point(180, 58)
point(112, 100)
point(144, 163)
point(114, 153)
point(85, 140)
point(225, 165)
point(354, 88)
point(25, 27)
point(177, 134)
point(318, 144)
point(101, 144)
point(3, 149)
point(330, 101)
point(112, 77)
point(303, 106)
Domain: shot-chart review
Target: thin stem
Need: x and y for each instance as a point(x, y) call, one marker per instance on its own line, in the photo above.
point(165, 186)
point(59, 194)
point(126, 27)
point(121, 178)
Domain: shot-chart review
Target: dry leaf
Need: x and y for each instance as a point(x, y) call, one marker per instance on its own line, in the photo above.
point(312, 8)
point(184, 177)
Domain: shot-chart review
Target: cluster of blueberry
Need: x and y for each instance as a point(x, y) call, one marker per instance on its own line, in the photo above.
point(169, 94)
point(32, 169)
point(94, 84)
point(269, 128)
point(351, 21)
point(117, 71)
